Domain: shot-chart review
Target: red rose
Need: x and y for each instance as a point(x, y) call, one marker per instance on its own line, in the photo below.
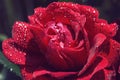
point(64, 41)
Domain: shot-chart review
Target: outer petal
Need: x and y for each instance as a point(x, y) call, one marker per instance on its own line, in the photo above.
point(109, 30)
point(117, 36)
point(30, 74)
point(90, 12)
point(70, 5)
point(14, 52)
point(21, 33)
point(101, 26)
point(82, 9)
point(40, 16)
point(99, 64)
point(40, 37)
point(114, 53)
point(64, 12)
point(42, 74)
point(99, 39)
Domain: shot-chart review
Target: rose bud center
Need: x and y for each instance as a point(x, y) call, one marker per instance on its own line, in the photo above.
point(66, 47)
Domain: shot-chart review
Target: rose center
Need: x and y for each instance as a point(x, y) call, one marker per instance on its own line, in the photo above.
point(64, 35)
point(66, 46)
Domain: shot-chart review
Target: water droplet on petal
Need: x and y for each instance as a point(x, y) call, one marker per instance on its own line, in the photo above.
point(94, 19)
point(61, 44)
point(113, 46)
point(94, 11)
point(10, 55)
point(65, 16)
point(102, 24)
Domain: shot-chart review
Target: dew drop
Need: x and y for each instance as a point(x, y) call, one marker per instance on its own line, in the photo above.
point(17, 38)
point(72, 5)
point(69, 44)
point(20, 24)
point(11, 69)
point(113, 47)
point(94, 19)
point(61, 44)
point(19, 60)
point(88, 9)
point(25, 26)
point(61, 7)
point(65, 16)
point(102, 24)
point(10, 55)
point(40, 14)
point(94, 11)
point(17, 23)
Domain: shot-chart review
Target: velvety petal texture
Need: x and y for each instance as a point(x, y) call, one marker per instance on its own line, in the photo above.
point(65, 41)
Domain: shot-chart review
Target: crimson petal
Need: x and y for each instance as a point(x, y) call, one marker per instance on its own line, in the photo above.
point(98, 40)
point(21, 34)
point(101, 64)
point(14, 52)
point(40, 37)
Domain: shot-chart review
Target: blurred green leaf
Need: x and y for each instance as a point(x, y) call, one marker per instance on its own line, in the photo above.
point(2, 37)
point(12, 67)
point(3, 74)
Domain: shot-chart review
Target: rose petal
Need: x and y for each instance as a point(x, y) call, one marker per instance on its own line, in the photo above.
point(39, 14)
point(99, 64)
point(90, 12)
point(43, 74)
point(33, 19)
point(35, 59)
point(107, 29)
point(69, 5)
point(63, 13)
point(77, 56)
point(39, 11)
point(40, 37)
point(114, 53)
point(117, 36)
point(82, 9)
point(57, 75)
point(31, 73)
point(43, 78)
point(55, 57)
point(100, 26)
point(14, 52)
point(98, 40)
point(21, 33)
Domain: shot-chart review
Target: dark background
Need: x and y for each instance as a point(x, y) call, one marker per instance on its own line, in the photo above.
point(15, 10)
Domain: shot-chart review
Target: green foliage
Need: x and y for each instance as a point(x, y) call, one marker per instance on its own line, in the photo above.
point(7, 64)
point(2, 37)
